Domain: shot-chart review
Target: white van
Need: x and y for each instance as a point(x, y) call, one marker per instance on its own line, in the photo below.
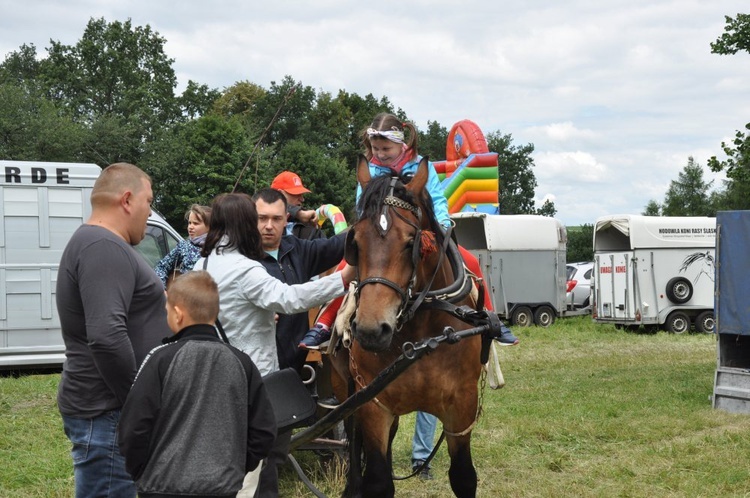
point(655, 271)
point(41, 205)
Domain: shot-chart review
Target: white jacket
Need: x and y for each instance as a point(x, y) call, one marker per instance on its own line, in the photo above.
point(249, 298)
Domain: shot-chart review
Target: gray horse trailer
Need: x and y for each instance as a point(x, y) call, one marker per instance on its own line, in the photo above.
point(41, 205)
point(523, 260)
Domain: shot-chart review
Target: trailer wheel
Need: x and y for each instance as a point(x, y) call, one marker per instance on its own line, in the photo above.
point(704, 323)
point(678, 322)
point(522, 316)
point(679, 290)
point(544, 316)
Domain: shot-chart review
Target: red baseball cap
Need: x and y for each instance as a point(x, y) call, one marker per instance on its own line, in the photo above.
point(290, 183)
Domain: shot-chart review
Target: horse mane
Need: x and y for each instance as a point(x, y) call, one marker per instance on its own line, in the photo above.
point(370, 203)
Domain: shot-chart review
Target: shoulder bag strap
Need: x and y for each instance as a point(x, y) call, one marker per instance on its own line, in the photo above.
point(218, 323)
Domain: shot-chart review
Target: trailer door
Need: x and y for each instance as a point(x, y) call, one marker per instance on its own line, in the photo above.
point(613, 285)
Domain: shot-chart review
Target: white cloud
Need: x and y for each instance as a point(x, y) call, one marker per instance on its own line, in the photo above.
point(565, 167)
point(562, 132)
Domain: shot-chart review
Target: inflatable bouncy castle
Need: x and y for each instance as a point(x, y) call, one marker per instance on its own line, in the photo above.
point(469, 174)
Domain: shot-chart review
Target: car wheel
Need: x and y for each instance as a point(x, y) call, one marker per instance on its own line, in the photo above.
point(704, 323)
point(679, 290)
point(678, 322)
point(522, 316)
point(544, 316)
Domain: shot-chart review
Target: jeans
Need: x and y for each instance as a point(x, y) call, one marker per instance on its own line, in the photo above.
point(98, 466)
point(424, 435)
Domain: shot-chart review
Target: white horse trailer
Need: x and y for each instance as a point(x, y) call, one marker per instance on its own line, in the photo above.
point(655, 271)
point(523, 261)
point(41, 205)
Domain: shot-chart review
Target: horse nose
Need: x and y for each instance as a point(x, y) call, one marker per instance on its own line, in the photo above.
point(374, 338)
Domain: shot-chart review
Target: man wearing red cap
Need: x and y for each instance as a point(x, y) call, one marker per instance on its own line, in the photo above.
point(290, 184)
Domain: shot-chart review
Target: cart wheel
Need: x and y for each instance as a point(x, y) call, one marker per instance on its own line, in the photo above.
point(522, 316)
point(678, 322)
point(544, 316)
point(704, 323)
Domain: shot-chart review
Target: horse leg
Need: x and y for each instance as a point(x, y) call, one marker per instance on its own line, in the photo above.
point(353, 487)
point(462, 475)
point(378, 429)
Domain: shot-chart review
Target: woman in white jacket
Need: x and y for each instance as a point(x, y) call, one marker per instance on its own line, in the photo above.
point(249, 297)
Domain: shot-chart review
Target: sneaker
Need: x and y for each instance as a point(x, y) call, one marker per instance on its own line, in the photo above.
point(424, 474)
point(330, 402)
point(315, 337)
point(506, 337)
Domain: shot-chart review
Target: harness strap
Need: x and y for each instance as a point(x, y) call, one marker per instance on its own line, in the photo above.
point(421, 297)
point(465, 431)
point(461, 286)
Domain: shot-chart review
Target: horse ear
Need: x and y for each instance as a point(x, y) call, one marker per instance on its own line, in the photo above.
point(350, 249)
point(363, 171)
point(418, 182)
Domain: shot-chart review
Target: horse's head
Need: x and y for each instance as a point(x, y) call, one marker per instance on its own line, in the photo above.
point(387, 244)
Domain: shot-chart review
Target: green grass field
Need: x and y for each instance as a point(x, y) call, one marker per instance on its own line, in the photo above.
point(587, 411)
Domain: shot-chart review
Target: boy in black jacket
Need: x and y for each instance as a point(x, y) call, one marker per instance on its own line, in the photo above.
point(197, 417)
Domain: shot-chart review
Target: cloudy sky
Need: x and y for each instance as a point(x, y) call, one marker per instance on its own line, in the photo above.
point(615, 96)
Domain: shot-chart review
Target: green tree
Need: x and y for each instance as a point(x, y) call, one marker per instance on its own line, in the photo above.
point(115, 69)
point(195, 162)
point(516, 176)
point(239, 100)
point(118, 73)
point(286, 106)
point(328, 178)
point(32, 129)
point(330, 122)
point(548, 209)
point(21, 67)
point(361, 111)
point(689, 194)
point(580, 245)
point(433, 142)
point(736, 37)
point(653, 208)
point(197, 100)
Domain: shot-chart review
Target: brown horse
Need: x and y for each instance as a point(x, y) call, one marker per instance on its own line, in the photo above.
point(396, 245)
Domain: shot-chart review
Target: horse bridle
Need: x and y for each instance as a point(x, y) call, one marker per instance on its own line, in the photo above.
point(384, 225)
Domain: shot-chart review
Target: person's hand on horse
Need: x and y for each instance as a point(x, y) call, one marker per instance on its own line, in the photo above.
point(348, 273)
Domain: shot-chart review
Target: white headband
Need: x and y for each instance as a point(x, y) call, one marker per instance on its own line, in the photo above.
point(392, 135)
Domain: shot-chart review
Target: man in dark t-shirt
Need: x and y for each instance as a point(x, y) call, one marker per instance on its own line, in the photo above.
point(112, 313)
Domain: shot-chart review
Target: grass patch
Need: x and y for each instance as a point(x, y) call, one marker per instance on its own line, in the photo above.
point(587, 411)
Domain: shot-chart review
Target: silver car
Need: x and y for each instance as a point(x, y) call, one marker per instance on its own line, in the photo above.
point(579, 284)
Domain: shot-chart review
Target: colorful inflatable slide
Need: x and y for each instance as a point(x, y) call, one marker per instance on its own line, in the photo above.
point(469, 173)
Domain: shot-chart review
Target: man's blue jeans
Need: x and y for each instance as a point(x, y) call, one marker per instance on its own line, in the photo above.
point(98, 466)
point(424, 435)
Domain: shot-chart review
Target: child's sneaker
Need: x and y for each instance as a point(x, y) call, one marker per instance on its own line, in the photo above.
point(506, 337)
point(315, 337)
